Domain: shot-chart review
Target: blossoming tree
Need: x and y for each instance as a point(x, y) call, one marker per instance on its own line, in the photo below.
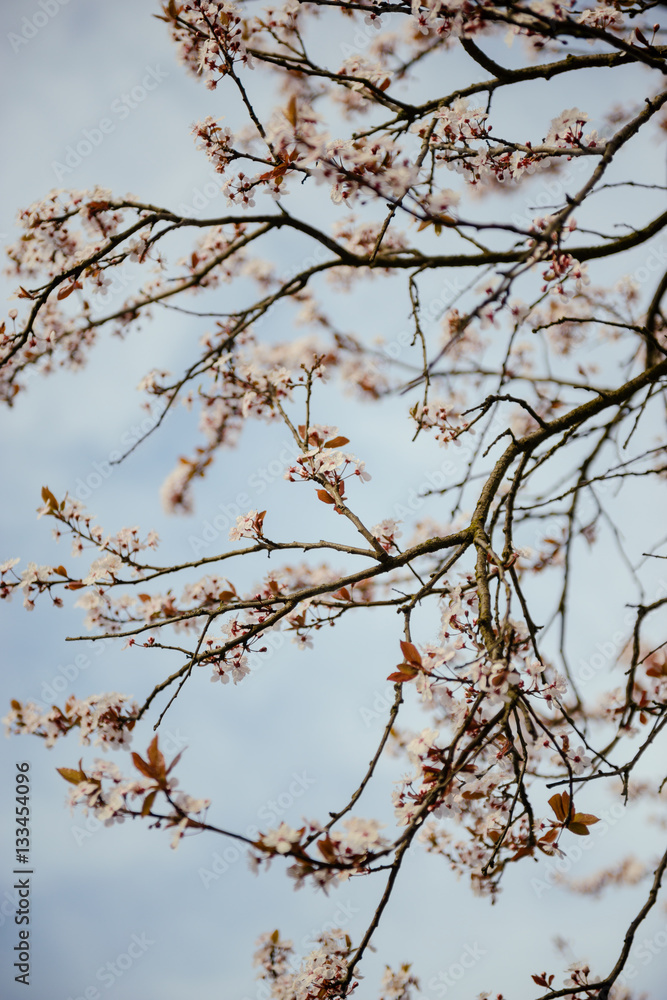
point(544, 380)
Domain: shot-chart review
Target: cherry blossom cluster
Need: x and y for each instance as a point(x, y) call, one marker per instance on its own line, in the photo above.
point(551, 381)
point(104, 720)
point(216, 142)
point(324, 463)
point(227, 663)
point(442, 417)
point(366, 167)
point(398, 984)
point(119, 551)
point(248, 525)
point(104, 792)
point(321, 975)
point(387, 532)
point(209, 35)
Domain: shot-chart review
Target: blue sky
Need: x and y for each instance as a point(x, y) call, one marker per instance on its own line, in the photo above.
point(273, 746)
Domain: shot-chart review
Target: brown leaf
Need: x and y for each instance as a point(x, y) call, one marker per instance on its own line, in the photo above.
point(174, 762)
point(337, 442)
point(579, 829)
point(48, 497)
point(586, 818)
point(148, 803)
point(560, 805)
point(72, 774)
point(290, 112)
point(324, 496)
point(326, 849)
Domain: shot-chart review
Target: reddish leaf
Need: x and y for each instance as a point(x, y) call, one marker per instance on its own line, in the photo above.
point(411, 653)
point(142, 766)
point(64, 292)
point(522, 853)
point(98, 206)
point(156, 757)
point(337, 442)
point(404, 672)
point(324, 497)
